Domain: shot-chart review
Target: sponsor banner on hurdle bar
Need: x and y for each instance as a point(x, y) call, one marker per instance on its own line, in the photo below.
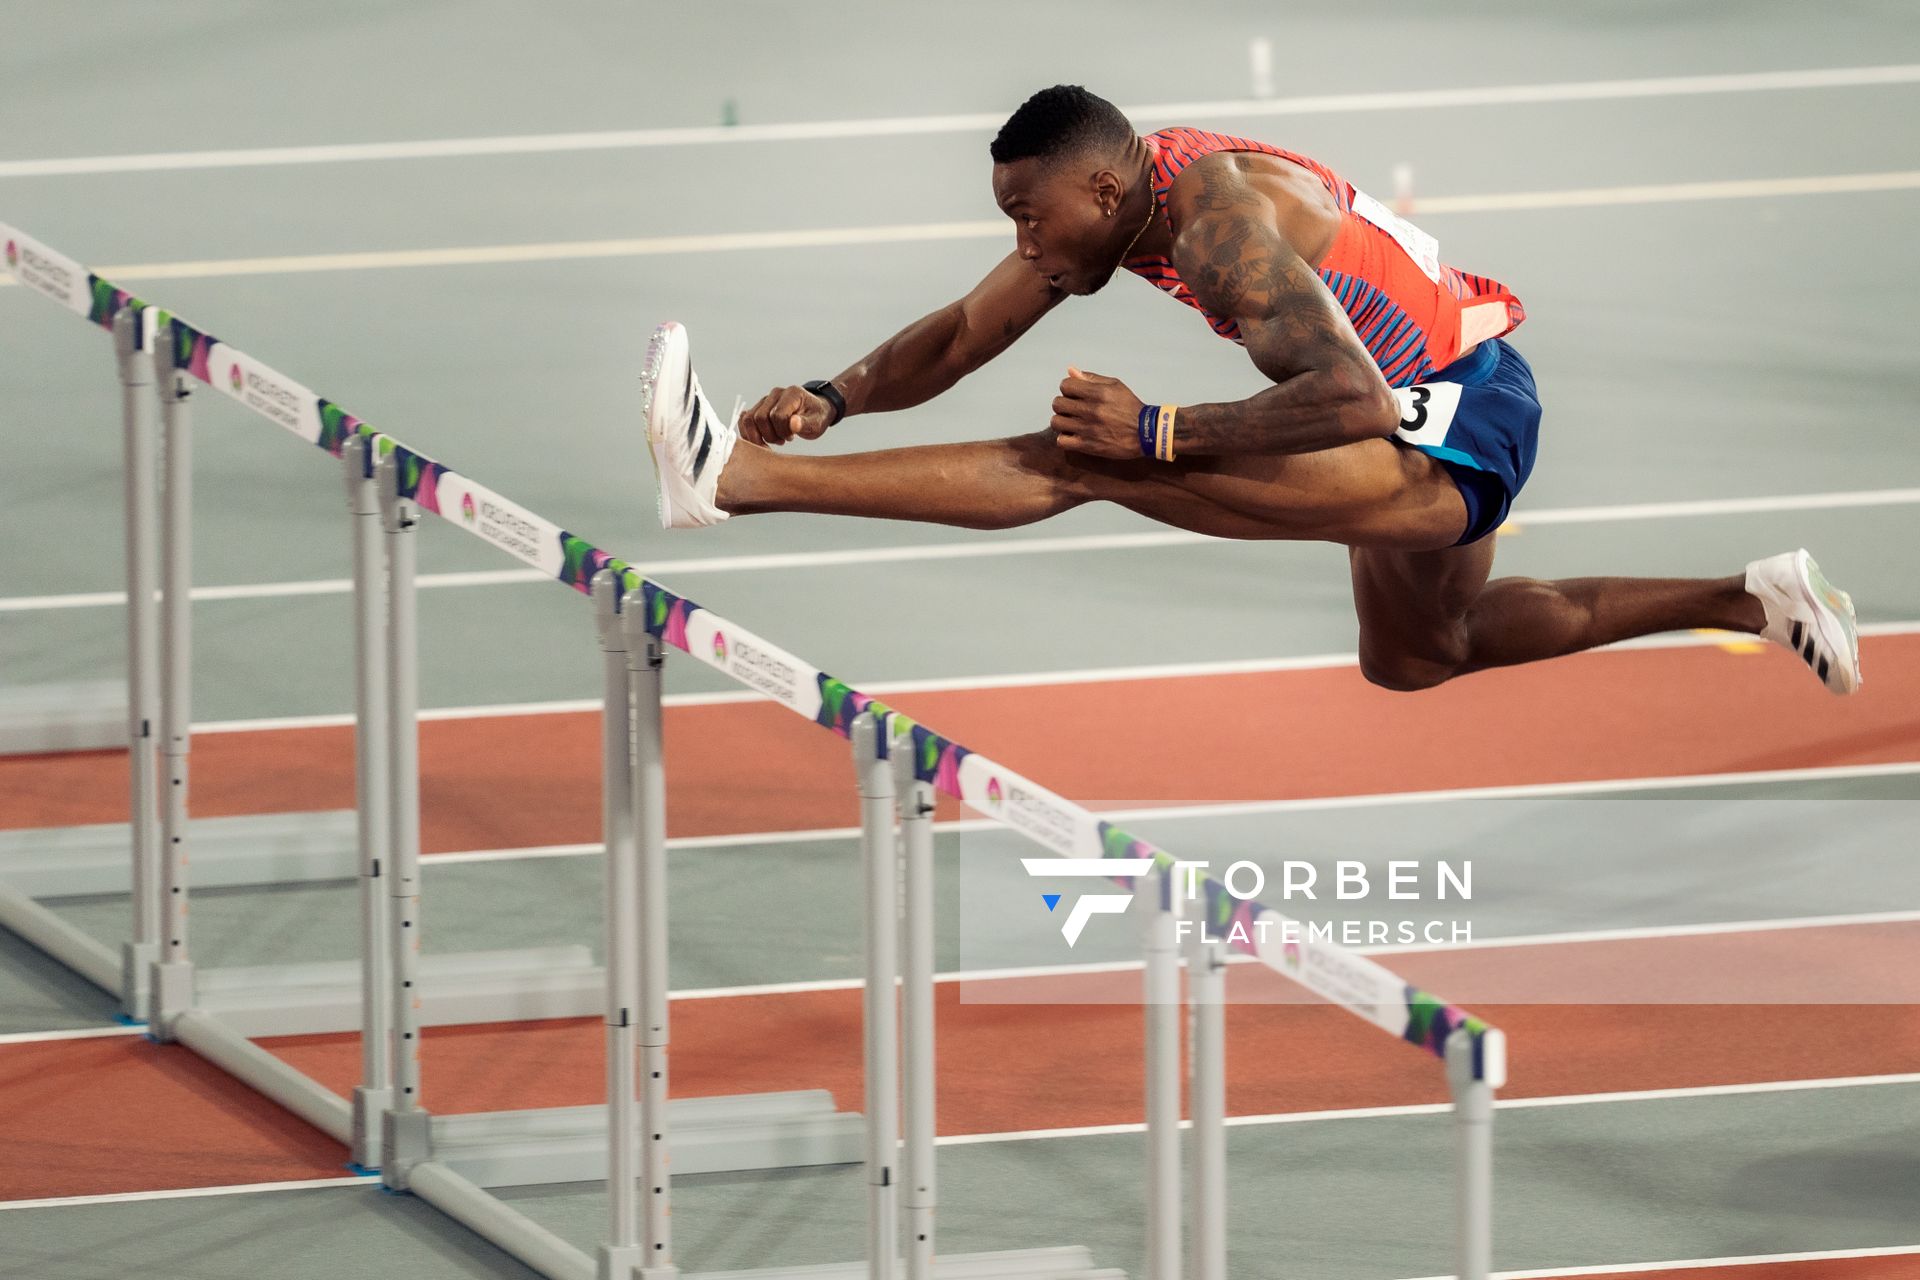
point(47, 271)
point(1048, 819)
point(265, 390)
point(466, 504)
point(759, 665)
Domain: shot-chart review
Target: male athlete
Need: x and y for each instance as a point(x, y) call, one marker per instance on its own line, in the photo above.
point(1400, 422)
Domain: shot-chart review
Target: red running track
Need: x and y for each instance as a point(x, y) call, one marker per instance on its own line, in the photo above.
point(513, 781)
point(96, 1116)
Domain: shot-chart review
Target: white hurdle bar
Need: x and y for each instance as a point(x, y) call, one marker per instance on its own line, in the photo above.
point(1161, 997)
point(1473, 1167)
point(880, 1007)
point(172, 980)
point(140, 455)
point(374, 1094)
point(406, 1132)
point(623, 1249)
point(917, 801)
point(1207, 1096)
point(646, 661)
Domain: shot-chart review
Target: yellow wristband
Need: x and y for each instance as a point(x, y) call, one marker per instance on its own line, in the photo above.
point(1163, 433)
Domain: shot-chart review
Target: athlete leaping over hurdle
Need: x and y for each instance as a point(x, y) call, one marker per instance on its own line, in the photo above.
point(1401, 423)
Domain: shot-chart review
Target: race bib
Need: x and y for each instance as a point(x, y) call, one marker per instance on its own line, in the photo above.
point(1426, 412)
point(1421, 247)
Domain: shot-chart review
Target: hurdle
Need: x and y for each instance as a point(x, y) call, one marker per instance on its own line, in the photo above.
point(216, 1012)
point(900, 768)
point(926, 765)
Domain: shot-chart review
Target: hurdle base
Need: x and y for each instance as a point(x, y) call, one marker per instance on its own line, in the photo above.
point(620, 1262)
point(367, 1145)
point(406, 1143)
point(36, 719)
point(247, 1062)
point(136, 974)
point(76, 949)
point(710, 1135)
point(499, 1222)
point(171, 986)
point(257, 849)
point(1064, 1262)
point(456, 989)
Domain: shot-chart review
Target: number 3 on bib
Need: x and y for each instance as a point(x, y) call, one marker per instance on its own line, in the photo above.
point(1427, 411)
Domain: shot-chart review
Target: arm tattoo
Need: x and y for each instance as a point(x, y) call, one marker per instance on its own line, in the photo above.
point(1327, 391)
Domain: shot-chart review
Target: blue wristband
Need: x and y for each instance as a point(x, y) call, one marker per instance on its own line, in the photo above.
point(1156, 430)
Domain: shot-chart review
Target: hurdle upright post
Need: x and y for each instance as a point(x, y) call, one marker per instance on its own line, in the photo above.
point(143, 655)
point(1162, 999)
point(172, 981)
point(880, 1014)
point(1207, 993)
point(374, 1094)
point(406, 1131)
point(917, 802)
point(646, 663)
point(622, 1250)
point(1473, 1157)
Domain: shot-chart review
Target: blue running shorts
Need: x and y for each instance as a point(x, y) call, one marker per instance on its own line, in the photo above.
point(1480, 418)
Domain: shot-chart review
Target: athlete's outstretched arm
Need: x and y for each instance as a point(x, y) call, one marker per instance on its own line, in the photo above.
point(1327, 389)
point(919, 362)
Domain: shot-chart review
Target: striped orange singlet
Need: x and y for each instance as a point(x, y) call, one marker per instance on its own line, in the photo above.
point(1415, 313)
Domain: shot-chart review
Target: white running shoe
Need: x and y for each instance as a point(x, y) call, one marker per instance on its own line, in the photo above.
point(690, 442)
point(1808, 615)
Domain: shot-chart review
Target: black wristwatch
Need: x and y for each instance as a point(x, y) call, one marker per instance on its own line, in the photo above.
point(825, 389)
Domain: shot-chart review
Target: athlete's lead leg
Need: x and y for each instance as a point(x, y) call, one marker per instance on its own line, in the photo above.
point(1368, 494)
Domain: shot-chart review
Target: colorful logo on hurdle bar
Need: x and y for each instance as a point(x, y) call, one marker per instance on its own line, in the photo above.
point(466, 507)
point(719, 646)
point(236, 379)
point(993, 796)
point(1087, 905)
point(13, 255)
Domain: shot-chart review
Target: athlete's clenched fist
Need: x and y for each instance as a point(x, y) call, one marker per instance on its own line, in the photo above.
point(786, 413)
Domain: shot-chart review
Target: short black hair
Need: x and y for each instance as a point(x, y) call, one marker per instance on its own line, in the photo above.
point(1061, 121)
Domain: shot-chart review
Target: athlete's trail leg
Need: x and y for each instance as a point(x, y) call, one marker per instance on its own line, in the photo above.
point(1426, 617)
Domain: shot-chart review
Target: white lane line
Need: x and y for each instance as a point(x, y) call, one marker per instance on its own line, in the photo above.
point(1690, 1264)
point(1674, 193)
point(972, 122)
point(71, 1033)
point(1254, 808)
point(1716, 507)
point(961, 684)
point(1124, 966)
point(1576, 937)
point(1569, 938)
point(911, 233)
point(554, 251)
point(989, 548)
point(1645, 933)
point(1443, 1108)
point(191, 1193)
